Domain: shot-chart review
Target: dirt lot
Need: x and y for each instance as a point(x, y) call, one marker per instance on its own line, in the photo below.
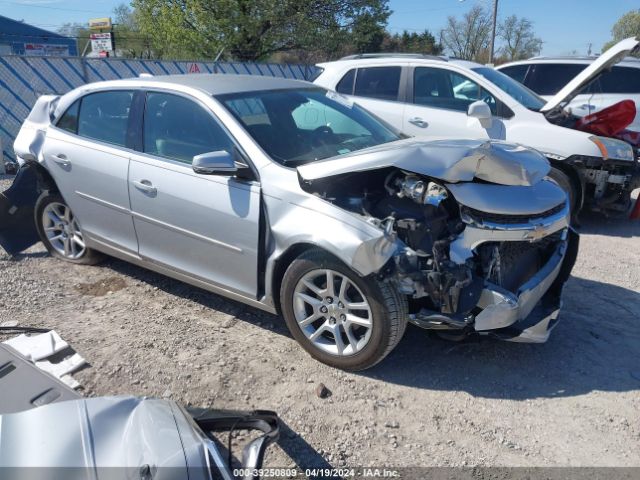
point(573, 401)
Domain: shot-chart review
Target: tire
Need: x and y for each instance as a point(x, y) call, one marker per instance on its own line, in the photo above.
point(62, 237)
point(363, 346)
point(564, 182)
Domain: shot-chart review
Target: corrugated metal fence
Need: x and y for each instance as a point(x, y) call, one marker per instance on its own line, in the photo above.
point(24, 79)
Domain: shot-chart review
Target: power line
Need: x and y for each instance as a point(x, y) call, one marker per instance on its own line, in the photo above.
point(52, 8)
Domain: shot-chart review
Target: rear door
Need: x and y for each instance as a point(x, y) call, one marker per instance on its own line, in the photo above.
point(438, 103)
point(203, 226)
point(378, 89)
point(87, 154)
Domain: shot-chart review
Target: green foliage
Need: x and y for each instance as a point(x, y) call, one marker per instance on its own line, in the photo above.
point(627, 26)
point(255, 29)
point(412, 42)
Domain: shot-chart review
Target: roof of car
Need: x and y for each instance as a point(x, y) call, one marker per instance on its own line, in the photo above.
point(381, 59)
point(580, 60)
point(215, 84)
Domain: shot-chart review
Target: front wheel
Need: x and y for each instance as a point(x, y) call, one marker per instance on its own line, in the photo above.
point(340, 318)
point(60, 231)
point(564, 182)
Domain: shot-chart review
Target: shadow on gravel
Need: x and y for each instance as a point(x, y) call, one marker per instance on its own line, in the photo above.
point(596, 346)
point(593, 223)
point(177, 288)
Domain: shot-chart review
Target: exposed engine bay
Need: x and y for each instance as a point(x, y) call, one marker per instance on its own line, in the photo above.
point(424, 215)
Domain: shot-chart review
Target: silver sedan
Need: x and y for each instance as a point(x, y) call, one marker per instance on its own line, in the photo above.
point(292, 199)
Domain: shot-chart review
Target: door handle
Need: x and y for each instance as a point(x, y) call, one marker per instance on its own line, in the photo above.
point(146, 186)
point(61, 159)
point(418, 122)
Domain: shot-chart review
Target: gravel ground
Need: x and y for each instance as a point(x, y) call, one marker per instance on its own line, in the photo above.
point(570, 402)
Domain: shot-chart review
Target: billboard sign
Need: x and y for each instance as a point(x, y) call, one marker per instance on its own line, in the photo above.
point(100, 23)
point(101, 42)
point(45, 50)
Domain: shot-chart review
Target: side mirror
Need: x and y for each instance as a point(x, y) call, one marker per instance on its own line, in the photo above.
point(214, 163)
point(482, 112)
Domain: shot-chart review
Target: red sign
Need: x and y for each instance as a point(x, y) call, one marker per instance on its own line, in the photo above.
point(194, 68)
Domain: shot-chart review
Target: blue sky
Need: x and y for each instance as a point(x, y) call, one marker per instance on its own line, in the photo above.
point(564, 25)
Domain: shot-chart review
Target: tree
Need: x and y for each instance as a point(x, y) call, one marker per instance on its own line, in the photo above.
point(412, 42)
point(130, 43)
point(469, 37)
point(519, 38)
point(252, 30)
point(627, 26)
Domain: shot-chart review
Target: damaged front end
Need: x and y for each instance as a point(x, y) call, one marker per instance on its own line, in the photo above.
point(483, 256)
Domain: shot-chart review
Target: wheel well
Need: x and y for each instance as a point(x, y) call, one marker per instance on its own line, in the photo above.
point(571, 172)
point(282, 263)
point(45, 180)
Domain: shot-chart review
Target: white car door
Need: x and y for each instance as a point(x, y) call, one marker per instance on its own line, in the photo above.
point(438, 103)
point(377, 89)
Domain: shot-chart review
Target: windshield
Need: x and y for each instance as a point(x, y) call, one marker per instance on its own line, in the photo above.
point(516, 90)
point(304, 125)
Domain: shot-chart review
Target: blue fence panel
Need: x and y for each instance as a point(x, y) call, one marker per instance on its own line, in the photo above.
point(24, 79)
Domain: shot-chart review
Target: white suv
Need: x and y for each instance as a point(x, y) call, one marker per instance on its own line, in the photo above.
point(439, 97)
point(547, 75)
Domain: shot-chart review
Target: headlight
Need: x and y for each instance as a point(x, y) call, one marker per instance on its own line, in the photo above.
point(613, 149)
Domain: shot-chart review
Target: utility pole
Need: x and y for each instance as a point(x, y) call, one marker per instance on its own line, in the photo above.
point(493, 31)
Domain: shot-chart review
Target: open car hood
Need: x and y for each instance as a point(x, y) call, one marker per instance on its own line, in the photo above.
point(605, 61)
point(452, 161)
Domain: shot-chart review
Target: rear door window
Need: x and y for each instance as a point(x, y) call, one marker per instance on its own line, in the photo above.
point(345, 85)
point(549, 78)
point(69, 120)
point(517, 72)
point(178, 128)
point(104, 116)
point(378, 82)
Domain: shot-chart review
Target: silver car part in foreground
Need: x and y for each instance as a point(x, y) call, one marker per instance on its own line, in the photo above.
point(126, 437)
point(459, 227)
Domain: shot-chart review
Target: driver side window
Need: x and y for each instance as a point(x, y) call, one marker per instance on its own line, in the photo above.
point(440, 88)
point(179, 129)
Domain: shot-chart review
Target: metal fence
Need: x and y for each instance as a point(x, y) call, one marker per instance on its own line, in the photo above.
point(24, 79)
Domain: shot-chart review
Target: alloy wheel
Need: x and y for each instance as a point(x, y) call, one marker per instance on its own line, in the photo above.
point(332, 312)
point(62, 231)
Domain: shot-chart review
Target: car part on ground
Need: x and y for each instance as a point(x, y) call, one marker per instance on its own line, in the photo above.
point(439, 97)
point(295, 200)
point(128, 437)
point(25, 386)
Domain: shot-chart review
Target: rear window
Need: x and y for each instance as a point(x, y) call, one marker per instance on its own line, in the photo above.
point(378, 82)
point(549, 78)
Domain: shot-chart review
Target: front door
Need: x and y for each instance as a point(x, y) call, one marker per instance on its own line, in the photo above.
point(439, 105)
point(205, 226)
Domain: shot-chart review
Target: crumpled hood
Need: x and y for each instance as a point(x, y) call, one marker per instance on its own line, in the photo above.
point(452, 161)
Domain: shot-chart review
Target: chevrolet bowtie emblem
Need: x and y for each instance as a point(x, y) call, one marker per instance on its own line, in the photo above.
point(537, 233)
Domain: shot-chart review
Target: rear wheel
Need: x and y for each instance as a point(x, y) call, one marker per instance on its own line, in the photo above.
point(60, 231)
point(340, 318)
